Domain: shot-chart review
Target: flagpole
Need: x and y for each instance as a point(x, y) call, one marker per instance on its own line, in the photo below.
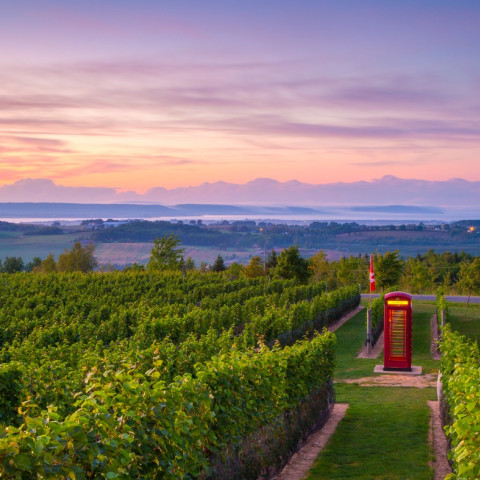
point(369, 312)
point(370, 276)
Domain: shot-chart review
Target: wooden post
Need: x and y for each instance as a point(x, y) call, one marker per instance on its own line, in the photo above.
point(369, 331)
point(443, 318)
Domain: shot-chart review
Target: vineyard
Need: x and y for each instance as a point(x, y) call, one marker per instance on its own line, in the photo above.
point(150, 375)
point(461, 402)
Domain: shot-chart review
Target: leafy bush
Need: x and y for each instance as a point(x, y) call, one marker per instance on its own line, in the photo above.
point(377, 317)
point(461, 379)
point(11, 392)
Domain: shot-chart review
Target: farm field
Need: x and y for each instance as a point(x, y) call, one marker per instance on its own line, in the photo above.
point(128, 253)
point(14, 244)
point(131, 243)
point(28, 246)
point(124, 253)
point(384, 433)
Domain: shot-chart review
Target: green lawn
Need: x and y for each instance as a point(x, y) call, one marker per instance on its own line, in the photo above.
point(350, 338)
point(384, 434)
point(465, 320)
point(421, 337)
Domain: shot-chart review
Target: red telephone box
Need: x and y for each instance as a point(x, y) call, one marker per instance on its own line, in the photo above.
point(397, 324)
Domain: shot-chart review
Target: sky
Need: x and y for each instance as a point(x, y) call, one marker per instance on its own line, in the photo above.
point(133, 95)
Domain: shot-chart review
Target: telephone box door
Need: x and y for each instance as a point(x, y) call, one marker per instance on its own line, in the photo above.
point(397, 352)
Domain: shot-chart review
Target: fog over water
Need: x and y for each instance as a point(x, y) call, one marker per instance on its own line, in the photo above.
point(329, 214)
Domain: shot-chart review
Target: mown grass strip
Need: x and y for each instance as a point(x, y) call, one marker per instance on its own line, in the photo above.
point(350, 338)
point(422, 337)
point(384, 434)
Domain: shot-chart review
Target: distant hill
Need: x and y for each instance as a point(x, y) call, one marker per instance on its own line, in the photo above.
point(133, 211)
point(81, 210)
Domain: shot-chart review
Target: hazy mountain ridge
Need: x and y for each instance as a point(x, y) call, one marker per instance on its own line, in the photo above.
point(388, 190)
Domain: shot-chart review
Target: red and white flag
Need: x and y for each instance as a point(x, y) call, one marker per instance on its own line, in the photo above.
point(372, 275)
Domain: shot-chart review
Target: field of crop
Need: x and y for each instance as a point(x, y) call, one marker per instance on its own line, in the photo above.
point(145, 375)
point(461, 401)
point(151, 375)
point(14, 244)
point(128, 253)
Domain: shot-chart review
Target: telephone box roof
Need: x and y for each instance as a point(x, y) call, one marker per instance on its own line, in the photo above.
point(398, 294)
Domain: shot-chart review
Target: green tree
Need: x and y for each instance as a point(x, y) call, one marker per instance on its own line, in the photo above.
point(469, 278)
point(271, 260)
point(291, 265)
point(48, 265)
point(13, 265)
point(34, 265)
point(235, 269)
point(190, 264)
point(353, 271)
point(320, 266)
point(254, 268)
point(416, 277)
point(388, 269)
point(165, 255)
point(219, 265)
point(79, 259)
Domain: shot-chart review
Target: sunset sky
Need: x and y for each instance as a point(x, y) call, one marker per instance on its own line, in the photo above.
point(150, 93)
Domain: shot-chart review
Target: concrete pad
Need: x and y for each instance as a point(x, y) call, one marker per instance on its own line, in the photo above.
point(415, 370)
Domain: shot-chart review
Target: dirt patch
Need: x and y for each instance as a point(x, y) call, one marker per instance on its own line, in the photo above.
point(303, 460)
point(345, 318)
point(415, 381)
point(439, 443)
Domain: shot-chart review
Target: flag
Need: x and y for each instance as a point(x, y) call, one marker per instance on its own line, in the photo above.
point(372, 275)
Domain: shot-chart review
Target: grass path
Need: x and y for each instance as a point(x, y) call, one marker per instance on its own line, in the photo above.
point(384, 434)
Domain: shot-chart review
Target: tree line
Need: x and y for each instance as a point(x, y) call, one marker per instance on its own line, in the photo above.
point(459, 272)
point(454, 272)
point(248, 233)
point(79, 259)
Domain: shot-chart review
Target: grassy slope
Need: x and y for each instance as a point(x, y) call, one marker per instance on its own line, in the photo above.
point(384, 434)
